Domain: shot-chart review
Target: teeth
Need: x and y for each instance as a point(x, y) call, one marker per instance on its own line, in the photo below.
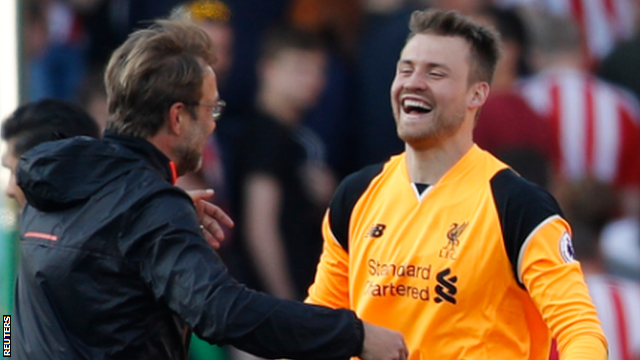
point(415, 103)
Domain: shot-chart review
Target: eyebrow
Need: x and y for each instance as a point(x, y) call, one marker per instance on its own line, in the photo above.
point(430, 65)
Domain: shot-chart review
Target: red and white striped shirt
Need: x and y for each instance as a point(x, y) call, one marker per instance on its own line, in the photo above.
point(602, 22)
point(596, 125)
point(618, 304)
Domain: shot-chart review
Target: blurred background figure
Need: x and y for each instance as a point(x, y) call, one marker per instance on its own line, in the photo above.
point(590, 204)
point(38, 122)
point(213, 17)
point(332, 118)
point(283, 181)
point(601, 23)
point(28, 126)
point(620, 66)
point(594, 123)
point(56, 49)
point(507, 126)
point(382, 37)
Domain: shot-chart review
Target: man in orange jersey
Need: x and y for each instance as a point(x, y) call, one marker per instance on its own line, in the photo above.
point(444, 242)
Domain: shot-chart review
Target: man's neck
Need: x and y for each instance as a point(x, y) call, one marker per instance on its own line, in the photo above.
point(428, 165)
point(278, 107)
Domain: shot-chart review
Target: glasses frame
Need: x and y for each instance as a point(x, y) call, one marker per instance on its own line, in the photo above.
point(216, 108)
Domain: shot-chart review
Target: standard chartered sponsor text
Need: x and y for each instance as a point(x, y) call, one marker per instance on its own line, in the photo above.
point(397, 272)
point(376, 268)
point(392, 289)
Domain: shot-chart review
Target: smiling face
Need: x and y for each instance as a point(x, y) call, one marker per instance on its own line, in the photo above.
point(431, 96)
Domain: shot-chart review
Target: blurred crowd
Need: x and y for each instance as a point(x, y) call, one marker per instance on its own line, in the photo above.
point(306, 86)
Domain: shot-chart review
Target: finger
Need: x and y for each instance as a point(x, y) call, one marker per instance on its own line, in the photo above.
point(217, 213)
point(200, 209)
point(197, 195)
point(213, 227)
point(209, 238)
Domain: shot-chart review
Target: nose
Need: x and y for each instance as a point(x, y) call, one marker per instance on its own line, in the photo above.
point(417, 81)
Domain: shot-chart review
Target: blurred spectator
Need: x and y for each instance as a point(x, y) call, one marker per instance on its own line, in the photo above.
point(250, 19)
point(602, 23)
point(285, 184)
point(507, 126)
point(383, 36)
point(621, 66)
point(594, 124)
point(620, 245)
point(338, 19)
point(38, 122)
point(589, 204)
point(55, 50)
point(333, 117)
point(213, 17)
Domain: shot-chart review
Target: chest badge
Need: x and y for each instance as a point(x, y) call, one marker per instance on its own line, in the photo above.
point(449, 250)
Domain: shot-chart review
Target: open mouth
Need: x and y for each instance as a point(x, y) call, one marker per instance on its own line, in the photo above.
point(415, 107)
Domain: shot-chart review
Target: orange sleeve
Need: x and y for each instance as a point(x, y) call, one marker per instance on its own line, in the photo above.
point(556, 285)
point(331, 285)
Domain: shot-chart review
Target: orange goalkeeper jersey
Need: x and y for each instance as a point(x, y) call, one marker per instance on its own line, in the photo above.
point(478, 266)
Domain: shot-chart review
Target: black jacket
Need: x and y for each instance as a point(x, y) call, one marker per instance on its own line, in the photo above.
point(114, 266)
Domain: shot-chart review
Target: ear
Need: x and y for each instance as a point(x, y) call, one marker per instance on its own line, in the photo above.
point(177, 116)
point(478, 95)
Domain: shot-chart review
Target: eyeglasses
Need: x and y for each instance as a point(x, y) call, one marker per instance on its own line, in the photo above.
point(216, 109)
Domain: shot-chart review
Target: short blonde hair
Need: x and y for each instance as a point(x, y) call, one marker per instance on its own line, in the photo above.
point(155, 68)
point(485, 42)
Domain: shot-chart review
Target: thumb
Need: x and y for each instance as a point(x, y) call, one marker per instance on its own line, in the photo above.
point(197, 195)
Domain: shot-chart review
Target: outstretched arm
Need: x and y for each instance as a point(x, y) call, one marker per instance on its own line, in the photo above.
point(185, 273)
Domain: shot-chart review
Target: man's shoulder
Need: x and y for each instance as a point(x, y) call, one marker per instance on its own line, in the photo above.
point(356, 183)
point(345, 198)
point(508, 186)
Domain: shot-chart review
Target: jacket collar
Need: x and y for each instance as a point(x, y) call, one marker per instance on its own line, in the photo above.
point(152, 155)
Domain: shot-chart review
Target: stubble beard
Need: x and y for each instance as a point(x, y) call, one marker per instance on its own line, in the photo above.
point(442, 127)
point(188, 158)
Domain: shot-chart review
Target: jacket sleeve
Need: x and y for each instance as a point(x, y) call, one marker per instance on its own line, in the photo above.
point(331, 285)
point(556, 284)
point(185, 273)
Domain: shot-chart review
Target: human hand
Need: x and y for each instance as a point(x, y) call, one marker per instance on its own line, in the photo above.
point(383, 344)
point(211, 217)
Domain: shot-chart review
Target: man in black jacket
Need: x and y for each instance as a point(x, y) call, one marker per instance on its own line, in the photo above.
point(113, 261)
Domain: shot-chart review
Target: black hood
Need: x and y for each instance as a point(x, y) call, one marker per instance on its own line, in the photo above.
point(61, 174)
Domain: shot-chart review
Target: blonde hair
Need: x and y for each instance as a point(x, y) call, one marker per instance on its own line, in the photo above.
point(485, 42)
point(155, 68)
